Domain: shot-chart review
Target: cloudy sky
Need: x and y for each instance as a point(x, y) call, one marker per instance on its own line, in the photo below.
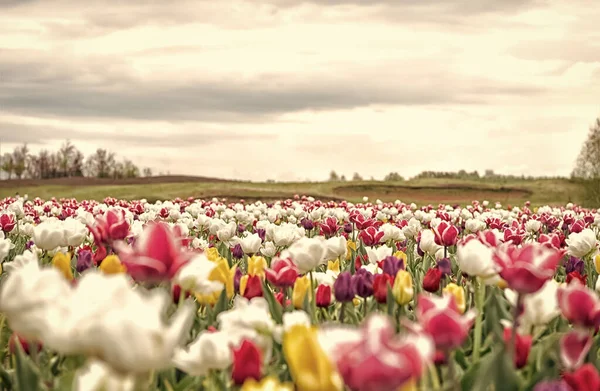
point(290, 89)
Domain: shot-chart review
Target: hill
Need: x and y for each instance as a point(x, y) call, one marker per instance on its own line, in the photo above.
point(422, 191)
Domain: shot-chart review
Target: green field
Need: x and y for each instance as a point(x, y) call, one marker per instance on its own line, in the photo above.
point(424, 191)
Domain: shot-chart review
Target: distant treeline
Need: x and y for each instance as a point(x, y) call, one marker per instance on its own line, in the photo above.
point(68, 161)
point(462, 174)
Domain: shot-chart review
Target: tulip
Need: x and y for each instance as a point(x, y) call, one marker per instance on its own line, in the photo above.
point(391, 265)
point(7, 222)
point(251, 286)
point(251, 244)
point(427, 243)
point(445, 266)
point(334, 266)
point(458, 293)
point(522, 348)
point(579, 305)
point(177, 292)
point(309, 366)
point(283, 273)
point(476, 259)
point(597, 263)
point(380, 287)
point(257, 266)
point(25, 344)
point(552, 386)
point(156, 255)
point(526, 269)
point(329, 227)
point(440, 317)
point(363, 283)
point(343, 288)
point(431, 280)
point(301, 288)
point(380, 359)
point(84, 261)
point(446, 234)
point(62, 262)
point(576, 276)
point(247, 362)
point(370, 236)
point(582, 244)
point(212, 254)
point(237, 252)
point(110, 227)
point(378, 254)
point(307, 253)
point(323, 296)
point(195, 275)
point(112, 265)
point(266, 384)
point(403, 287)
point(574, 347)
point(574, 264)
point(335, 248)
point(585, 378)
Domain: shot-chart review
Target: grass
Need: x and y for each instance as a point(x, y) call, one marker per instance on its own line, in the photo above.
point(423, 191)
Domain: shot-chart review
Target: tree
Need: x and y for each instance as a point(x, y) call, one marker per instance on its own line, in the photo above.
point(343, 178)
point(333, 176)
point(147, 172)
point(393, 177)
point(101, 164)
point(8, 164)
point(356, 177)
point(20, 160)
point(587, 166)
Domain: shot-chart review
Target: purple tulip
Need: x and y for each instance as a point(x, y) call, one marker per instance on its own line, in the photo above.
point(363, 282)
point(236, 280)
point(307, 224)
point(237, 251)
point(84, 261)
point(575, 265)
point(445, 266)
point(343, 288)
point(348, 228)
point(261, 233)
point(391, 265)
point(29, 244)
point(241, 228)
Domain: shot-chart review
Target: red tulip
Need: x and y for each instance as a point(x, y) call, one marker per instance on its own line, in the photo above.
point(283, 273)
point(575, 276)
point(380, 287)
point(526, 269)
point(585, 378)
point(329, 227)
point(579, 305)
point(279, 297)
point(489, 238)
point(110, 227)
point(176, 293)
point(323, 296)
point(254, 287)
point(381, 360)
point(156, 255)
point(247, 363)
point(7, 222)
point(574, 347)
point(577, 226)
point(514, 235)
point(431, 280)
point(550, 241)
point(522, 349)
point(446, 234)
point(440, 317)
point(25, 345)
point(371, 236)
point(100, 254)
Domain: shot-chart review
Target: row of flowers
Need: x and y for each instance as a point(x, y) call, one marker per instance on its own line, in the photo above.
point(298, 294)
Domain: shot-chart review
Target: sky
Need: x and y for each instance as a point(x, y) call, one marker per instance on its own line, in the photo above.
point(291, 89)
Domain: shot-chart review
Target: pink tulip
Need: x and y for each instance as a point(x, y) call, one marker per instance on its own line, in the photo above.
point(579, 305)
point(110, 227)
point(526, 269)
point(440, 317)
point(446, 234)
point(574, 347)
point(381, 360)
point(157, 254)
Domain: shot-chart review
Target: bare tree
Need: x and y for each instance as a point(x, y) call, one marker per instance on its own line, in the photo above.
point(20, 157)
point(8, 164)
point(147, 172)
point(587, 167)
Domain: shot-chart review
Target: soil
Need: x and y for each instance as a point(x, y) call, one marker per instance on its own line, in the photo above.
point(17, 183)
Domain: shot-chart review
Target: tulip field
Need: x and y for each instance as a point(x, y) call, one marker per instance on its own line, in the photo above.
point(297, 294)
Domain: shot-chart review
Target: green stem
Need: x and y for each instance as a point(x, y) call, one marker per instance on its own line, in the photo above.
point(435, 379)
point(313, 305)
point(479, 292)
point(342, 312)
point(365, 308)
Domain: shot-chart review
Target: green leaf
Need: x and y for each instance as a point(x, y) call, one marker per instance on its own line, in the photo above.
point(274, 306)
point(497, 369)
point(5, 379)
point(186, 384)
point(390, 301)
point(222, 303)
point(27, 375)
point(461, 359)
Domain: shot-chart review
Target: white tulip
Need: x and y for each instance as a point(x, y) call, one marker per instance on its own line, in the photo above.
point(582, 243)
point(335, 247)
point(539, 308)
point(475, 259)
point(377, 254)
point(428, 244)
point(250, 244)
point(5, 246)
point(97, 376)
point(194, 275)
point(269, 250)
point(48, 235)
point(307, 253)
point(533, 226)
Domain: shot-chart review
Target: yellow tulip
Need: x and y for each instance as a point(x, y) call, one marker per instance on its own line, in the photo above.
point(309, 365)
point(356, 301)
point(401, 255)
point(212, 254)
point(269, 383)
point(301, 288)
point(334, 266)
point(1, 269)
point(403, 287)
point(410, 385)
point(221, 273)
point(256, 266)
point(597, 262)
point(112, 265)
point(350, 245)
point(62, 262)
point(502, 284)
point(459, 296)
point(243, 283)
